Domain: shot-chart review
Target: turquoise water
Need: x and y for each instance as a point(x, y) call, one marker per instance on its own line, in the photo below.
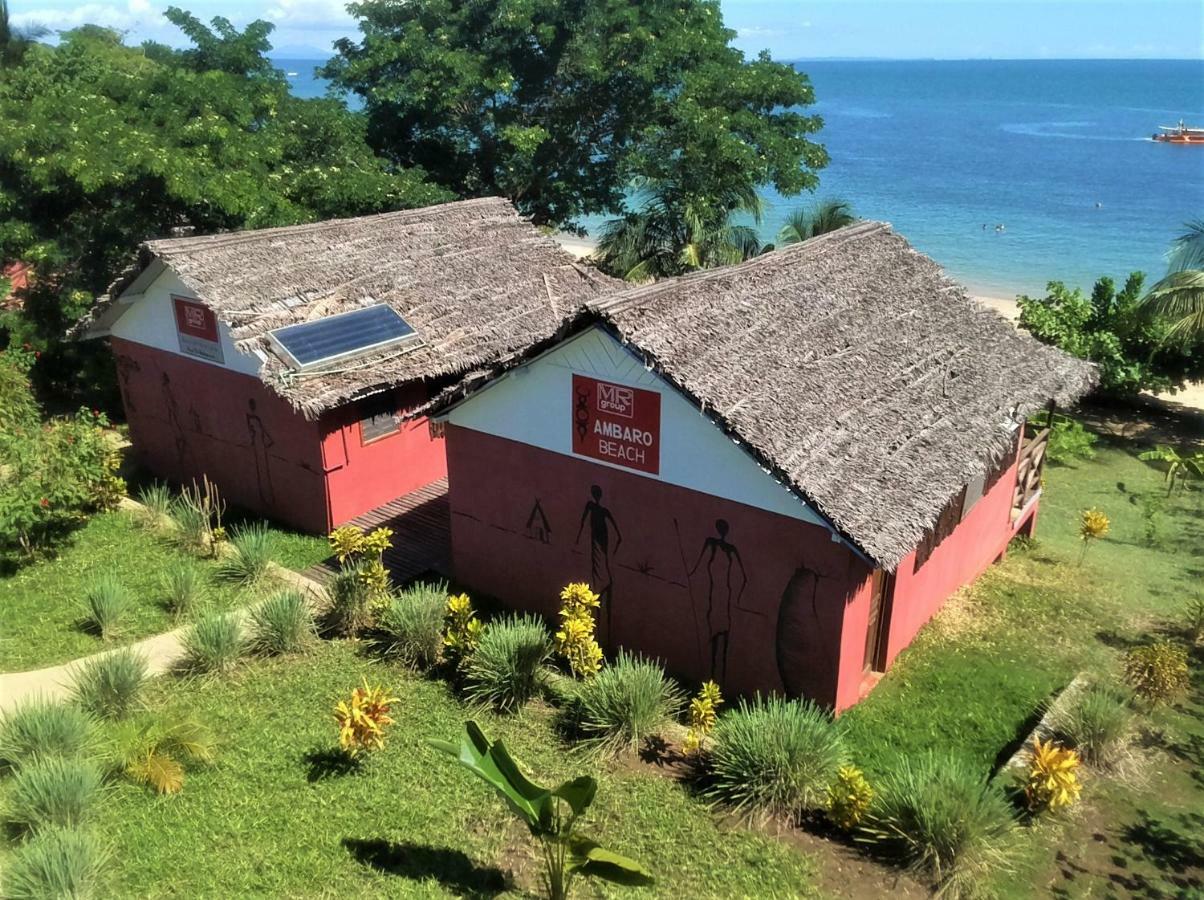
point(1058, 152)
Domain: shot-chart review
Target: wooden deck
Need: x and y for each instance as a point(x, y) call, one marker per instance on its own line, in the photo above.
point(421, 545)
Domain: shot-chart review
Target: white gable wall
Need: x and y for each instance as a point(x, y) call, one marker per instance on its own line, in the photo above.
point(151, 320)
point(532, 404)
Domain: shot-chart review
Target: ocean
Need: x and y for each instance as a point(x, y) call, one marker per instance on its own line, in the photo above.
point(1057, 152)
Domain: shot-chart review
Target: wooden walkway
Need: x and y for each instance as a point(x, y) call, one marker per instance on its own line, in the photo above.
point(421, 523)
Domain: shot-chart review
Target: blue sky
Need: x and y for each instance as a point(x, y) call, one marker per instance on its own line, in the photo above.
point(789, 29)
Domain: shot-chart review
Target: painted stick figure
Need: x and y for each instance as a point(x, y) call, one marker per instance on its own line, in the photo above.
point(600, 522)
point(721, 596)
point(261, 440)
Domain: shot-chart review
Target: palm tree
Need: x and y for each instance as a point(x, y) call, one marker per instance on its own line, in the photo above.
point(676, 231)
point(827, 215)
point(1180, 295)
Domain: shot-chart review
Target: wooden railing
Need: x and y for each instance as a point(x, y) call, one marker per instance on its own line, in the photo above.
point(1028, 471)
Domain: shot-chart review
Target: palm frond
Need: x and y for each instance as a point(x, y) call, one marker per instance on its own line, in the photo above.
point(796, 227)
point(1179, 297)
point(1187, 250)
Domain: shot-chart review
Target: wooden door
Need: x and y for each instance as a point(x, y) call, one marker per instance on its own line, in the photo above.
point(879, 619)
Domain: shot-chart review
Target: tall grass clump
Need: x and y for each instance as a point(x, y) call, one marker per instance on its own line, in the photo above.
point(943, 819)
point(54, 791)
point(282, 624)
point(156, 503)
point(1096, 722)
point(110, 686)
point(197, 513)
point(38, 729)
point(251, 555)
point(775, 757)
point(411, 626)
point(56, 862)
point(105, 605)
point(353, 602)
point(505, 670)
point(213, 645)
point(626, 703)
point(184, 588)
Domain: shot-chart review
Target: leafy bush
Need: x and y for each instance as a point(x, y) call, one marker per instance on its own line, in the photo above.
point(461, 629)
point(184, 588)
point(105, 605)
point(153, 751)
point(214, 644)
point(411, 625)
point(362, 720)
point(943, 819)
point(110, 686)
point(505, 669)
point(1068, 439)
point(157, 501)
point(282, 624)
point(1053, 777)
point(849, 798)
point(626, 702)
point(1157, 672)
point(251, 555)
point(54, 791)
point(1095, 721)
point(38, 729)
point(56, 862)
point(354, 601)
point(1111, 329)
point(775, 757)
point(575, 640)
point(1193, 619)
point(704, 713)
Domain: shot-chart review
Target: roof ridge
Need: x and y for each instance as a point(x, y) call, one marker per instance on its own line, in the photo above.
point(247, 235)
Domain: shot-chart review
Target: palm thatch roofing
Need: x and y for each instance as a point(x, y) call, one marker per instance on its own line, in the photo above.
point(850, 367)
point(473, 278)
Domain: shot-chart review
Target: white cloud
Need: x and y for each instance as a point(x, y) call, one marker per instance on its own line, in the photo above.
point(304, 15)
point(135, 14)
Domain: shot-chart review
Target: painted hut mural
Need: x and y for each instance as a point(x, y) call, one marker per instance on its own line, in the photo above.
point(282, 363)
point(778, 470)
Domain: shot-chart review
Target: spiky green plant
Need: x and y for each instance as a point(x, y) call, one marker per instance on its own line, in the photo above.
point(184, 588)
point(155, 751)
point(250, 559)
point(55, 863)
point(37, 729)
point(504, 671)
point(105, 605)
point(157, 501)
point(110, 686)
point(213, 645)
point(53, 791)
point(626, 702)
point(1095, 722)
point(282, 624)
point(411, 626)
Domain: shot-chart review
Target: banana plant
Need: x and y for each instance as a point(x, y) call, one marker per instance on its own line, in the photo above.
point(550, 815)
point(1178, 466)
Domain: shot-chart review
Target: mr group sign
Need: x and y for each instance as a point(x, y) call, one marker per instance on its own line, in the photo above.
point(617, 424)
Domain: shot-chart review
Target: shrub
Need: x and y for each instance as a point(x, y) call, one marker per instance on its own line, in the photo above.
point(775, 757)
point(362, 720)
point(282, 624)
point(110, 686)
point(55, 791)
point(152, 751)
point(575, 640)
point(38, 729)
point(461, 629)
point(626, 703)
point(184, 588)
point(251, 556)
point(105, 605)
point(1193, 619)
point(354, 604)
point(1095, 721)
point(704, 712)
point(411, 625)
point(1053, 777)
point(943, 819)
point(56, 862)
point(157, 501)
point(1068, 440)
point(505, 669)
point(198, 515)
point(1093, 525)
point(1157, 672)
point(849, 798)
point(214, 644)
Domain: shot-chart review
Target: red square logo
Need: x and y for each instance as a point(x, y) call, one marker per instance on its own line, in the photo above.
point(617, 424)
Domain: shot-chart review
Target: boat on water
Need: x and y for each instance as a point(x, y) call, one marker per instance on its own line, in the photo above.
point(1179, 134)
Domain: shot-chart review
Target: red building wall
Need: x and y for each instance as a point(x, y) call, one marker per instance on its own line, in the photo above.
point(363, 475)
point(188, 418)
point(526, 521)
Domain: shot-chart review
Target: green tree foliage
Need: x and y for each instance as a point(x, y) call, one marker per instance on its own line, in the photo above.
point(1179, 297)
point(1134, 350)
point(560, 106)
point(827, 215)
point(104, 145)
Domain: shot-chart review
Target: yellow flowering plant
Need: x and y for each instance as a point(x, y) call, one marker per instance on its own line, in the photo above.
point(461, 629)
point(849, 798)
point(703, 715)
point(575, 641)
point(1053, 780)
point(346, 541)
point(1093, 525)
point(1158, 671)
point(362, 720)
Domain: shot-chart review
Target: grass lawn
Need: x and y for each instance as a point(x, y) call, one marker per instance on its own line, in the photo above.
point(41, 605)
point(267, 820)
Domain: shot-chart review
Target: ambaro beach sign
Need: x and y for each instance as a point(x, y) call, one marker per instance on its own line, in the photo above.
point(617, 424)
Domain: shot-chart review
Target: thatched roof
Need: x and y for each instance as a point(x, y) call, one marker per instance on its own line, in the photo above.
point(473, 278)
point(853, 369)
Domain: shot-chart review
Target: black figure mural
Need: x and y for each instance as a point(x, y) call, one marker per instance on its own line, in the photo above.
point(803, 652)
point(537, 527)
point(600, 523)
point(125, 368)
point(726, 580)
point(174, 421)
point(261, 441)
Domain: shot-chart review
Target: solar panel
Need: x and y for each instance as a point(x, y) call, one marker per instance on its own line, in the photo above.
point(323, 341)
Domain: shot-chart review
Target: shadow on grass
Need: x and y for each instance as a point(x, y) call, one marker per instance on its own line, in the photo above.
point(451, 868)
point(329, 762)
